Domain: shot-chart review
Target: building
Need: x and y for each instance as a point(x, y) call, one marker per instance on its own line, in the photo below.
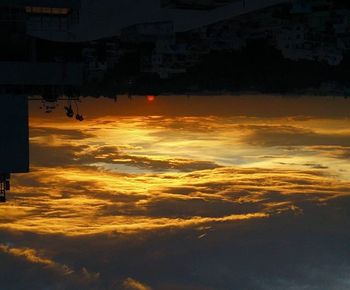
point(29, 64)
point(14, 145)
point(46, 19)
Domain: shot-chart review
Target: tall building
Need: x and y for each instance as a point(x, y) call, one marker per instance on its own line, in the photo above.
point(14, 145)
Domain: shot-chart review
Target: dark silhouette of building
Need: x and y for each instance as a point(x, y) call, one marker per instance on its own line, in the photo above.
point(28, 63)
point(14, 142)
point(29, 66)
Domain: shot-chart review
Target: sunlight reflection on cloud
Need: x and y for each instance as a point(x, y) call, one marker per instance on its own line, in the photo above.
point(135, 174)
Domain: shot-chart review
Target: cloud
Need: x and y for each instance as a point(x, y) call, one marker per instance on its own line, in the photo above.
point(323, 277)
point(32, 256)
point(338, 152)
point(40, 133)
point(283, 135)
point(130, 203)
point(287, 250)
point(69, 155)
point(131, 284)
point(36, 271)
point(72, 182)
point(311, 165)
point(185, 221)
point(113, 155)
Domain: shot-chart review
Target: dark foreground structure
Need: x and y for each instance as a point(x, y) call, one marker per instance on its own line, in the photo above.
point(31, 65)
point(14, 144)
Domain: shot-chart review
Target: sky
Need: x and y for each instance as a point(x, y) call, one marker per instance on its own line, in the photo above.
point(184, 192)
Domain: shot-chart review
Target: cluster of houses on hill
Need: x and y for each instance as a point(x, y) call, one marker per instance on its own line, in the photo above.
point(315, 30)
point(302, 30)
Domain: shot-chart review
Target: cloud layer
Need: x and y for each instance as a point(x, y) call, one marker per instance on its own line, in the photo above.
point(146, 203)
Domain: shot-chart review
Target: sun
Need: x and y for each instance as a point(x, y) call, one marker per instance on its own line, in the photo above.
point(151, 98)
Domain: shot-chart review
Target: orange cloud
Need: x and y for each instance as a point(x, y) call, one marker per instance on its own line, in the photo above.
point(32, 256)
point(132, 284)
